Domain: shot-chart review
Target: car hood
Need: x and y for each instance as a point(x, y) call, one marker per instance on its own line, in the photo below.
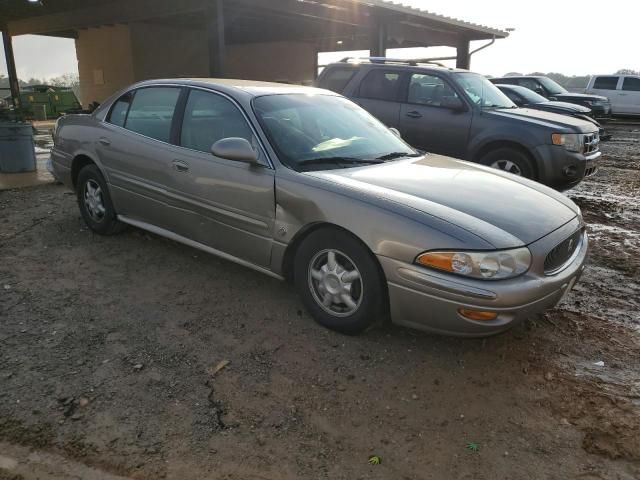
point(542, 118)
point(571, 108)
point(579, 96)
point(502, 209)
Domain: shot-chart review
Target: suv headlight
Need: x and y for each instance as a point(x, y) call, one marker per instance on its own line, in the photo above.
point(494, 265)
point(597, 103)
point(574, 142)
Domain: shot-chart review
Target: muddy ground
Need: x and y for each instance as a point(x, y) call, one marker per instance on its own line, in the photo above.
point(114, 351)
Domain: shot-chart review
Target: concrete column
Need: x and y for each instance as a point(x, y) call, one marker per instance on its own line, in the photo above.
point(216, 38)
point(463, 59)
point(11, 69)
point(378, 39)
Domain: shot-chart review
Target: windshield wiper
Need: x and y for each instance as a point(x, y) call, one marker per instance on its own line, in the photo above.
point(394, 155)
point(348, 160)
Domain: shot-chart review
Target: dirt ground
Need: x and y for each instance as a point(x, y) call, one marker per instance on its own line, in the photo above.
point(114, 351)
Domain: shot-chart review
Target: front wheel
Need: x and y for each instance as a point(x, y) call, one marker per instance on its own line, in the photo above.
point(509, 160)
point(340, 282)
point(95, 203)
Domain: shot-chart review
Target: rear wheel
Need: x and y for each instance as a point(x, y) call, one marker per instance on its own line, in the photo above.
point(340, 282)
point(95, 202)
point(509, 160)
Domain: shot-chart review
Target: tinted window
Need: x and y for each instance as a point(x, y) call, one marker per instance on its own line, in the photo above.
point(429, 90)
point(529, 83)
point(380, 85)
point(336, 79)
point(119, 110)
point(514, 97)
point(631, 83)
point(605, 83)
point(151, 112)
point(209, 117)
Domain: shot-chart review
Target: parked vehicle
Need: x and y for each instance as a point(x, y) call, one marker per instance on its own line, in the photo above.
point(600, 105)
point(525, 98)
point(301, 183)
point(622, 90)
point(46, 101)
point(461, 114)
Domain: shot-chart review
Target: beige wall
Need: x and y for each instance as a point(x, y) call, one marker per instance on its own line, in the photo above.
point(282, 61)
point(105, 62)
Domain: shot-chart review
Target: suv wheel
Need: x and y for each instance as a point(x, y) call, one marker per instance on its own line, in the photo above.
point(95, 202)
point(509, 160)
point(339, 282)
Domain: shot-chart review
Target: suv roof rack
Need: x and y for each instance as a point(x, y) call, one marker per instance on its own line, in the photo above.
point(385, 60)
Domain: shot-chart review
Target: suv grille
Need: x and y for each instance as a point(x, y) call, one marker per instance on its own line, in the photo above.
point(591, 143)
point(561, 254)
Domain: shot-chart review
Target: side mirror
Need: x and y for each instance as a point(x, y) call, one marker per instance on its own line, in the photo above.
point(395, 131)
point(453, 103)
point(234, 148)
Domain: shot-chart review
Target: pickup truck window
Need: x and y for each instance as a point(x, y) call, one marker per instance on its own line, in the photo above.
point(337, 78)
point(631, 84)
point(381, 85)
point(428, 90)
point(605, 83)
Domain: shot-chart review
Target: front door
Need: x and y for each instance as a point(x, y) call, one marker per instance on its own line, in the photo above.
point(630, 95)
point(232, 203)
point(425, 121)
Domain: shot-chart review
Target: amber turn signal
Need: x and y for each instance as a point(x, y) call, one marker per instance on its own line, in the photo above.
point(477, 315)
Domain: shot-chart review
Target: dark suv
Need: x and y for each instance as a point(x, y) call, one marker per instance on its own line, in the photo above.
point(461, 114)
point(599, 105)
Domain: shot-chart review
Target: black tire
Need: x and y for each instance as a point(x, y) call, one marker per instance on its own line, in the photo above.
point(369, 290)
point(503, 155)
point(103, 223)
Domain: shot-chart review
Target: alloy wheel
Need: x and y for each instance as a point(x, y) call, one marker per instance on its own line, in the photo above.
point(94, 201)
point(507, 166)
point(335, 283)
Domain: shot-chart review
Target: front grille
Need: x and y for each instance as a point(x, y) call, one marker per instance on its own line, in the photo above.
point(590, 171)
point(561, 254)
point(591, 143)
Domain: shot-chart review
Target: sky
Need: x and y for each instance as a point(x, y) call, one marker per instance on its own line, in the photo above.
point(574, 37)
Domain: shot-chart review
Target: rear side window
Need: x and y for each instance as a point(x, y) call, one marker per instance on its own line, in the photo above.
point(209, 117)
point(337, 78)
point(631, 84)
point(429, 90)
point(119, 110)
point(381, 85)
point(605, 83)
point(151, 112)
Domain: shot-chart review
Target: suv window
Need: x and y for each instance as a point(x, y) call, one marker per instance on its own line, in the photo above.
point(632, 84)
point(428, 90)
point(605, 83)
point(120, 109)
point(337, 78)
point(381, 85)
point(209, 117)
point(151, 112)
point(529, 83)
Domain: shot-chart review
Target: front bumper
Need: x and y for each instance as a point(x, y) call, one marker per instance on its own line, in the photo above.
point(429, 300)
point(562, 169)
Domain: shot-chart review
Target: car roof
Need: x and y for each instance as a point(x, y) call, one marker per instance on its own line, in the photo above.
point(402, 66)
point(253, 88)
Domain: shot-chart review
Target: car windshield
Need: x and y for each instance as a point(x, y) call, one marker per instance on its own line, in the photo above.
point(315, 132)
point(552, 87)
point(530, 97)
point(482, 92)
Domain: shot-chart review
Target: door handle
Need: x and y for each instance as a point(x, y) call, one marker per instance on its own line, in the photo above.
point(104, 141)
point(414, 114)
point(180, 166)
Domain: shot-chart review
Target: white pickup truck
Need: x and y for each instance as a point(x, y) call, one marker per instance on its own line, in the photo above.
point(622, 90)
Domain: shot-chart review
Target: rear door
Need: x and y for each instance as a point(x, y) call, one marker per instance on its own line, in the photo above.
point(426, 124)
point(379, 94)
point(232, 203)
point(607, 86)
point(134, 146)
point(629, 95)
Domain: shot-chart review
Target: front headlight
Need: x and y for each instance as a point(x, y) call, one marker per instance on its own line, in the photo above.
point(495, 265)
point(596, 103)
point(574, 142)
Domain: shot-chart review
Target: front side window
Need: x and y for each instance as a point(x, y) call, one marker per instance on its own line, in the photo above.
point(529, 83)
point(151, 112)
point(381, 85)
point(315, 132)
point(631, 84)
point(119, 111)
point(209, 117)
point(605, 83)
point(429, 90)
point(552, 87)
point(481, 91)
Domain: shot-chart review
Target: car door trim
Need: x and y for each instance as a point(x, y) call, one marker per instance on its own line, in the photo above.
point(192, 243)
